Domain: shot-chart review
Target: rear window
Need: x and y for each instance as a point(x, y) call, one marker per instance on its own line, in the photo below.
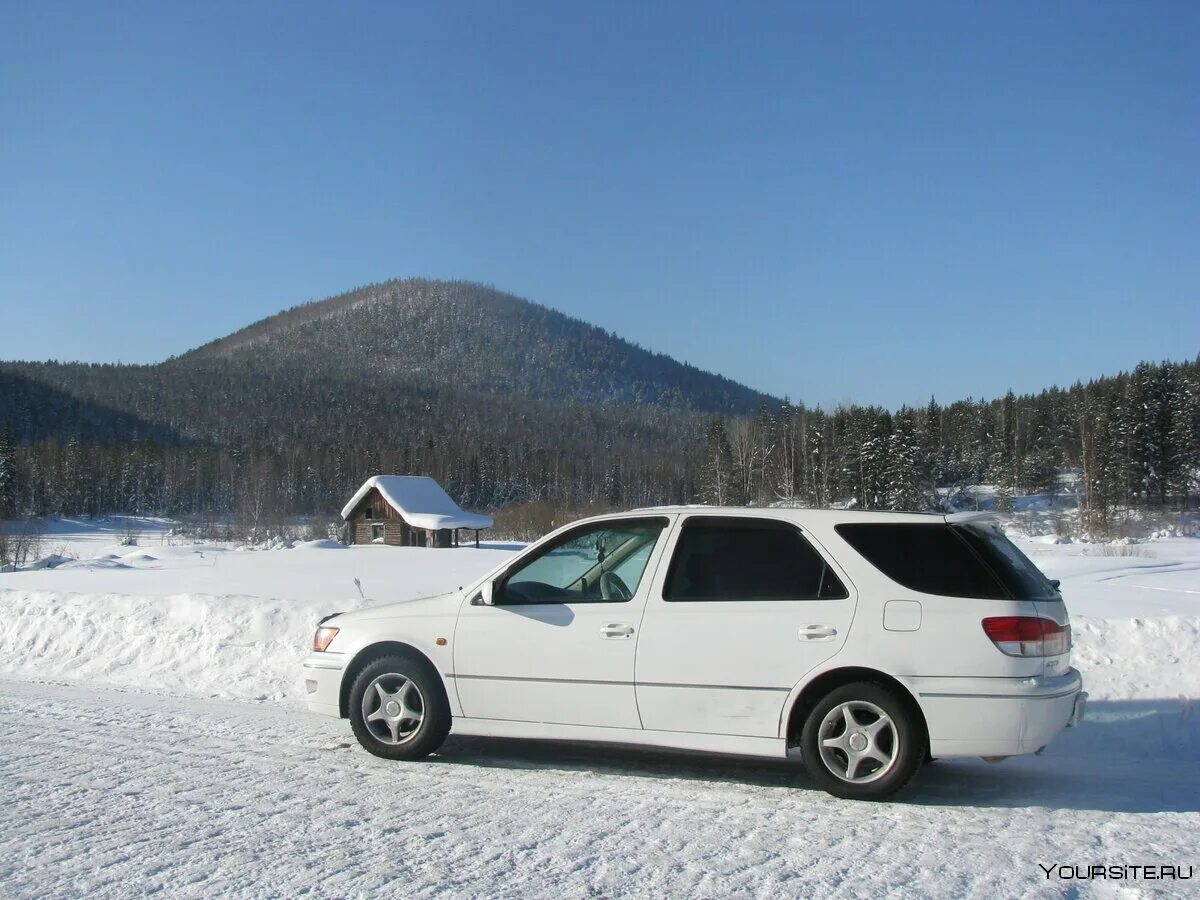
point(931, 558)
point(747, 559)
point(1023, 579)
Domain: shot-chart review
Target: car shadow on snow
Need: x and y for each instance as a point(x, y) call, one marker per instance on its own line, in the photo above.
point(619, 760)
point(1139, 756)
point(1128, 756)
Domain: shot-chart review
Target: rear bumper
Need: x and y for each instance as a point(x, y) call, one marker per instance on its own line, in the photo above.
point(998, 716)
point(1077, 713)
point(323, 682)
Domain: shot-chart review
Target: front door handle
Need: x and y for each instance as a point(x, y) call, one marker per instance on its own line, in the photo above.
point(817, 632)
point(616, 630)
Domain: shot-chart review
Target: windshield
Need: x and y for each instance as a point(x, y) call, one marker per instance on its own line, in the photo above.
point(1023, 579)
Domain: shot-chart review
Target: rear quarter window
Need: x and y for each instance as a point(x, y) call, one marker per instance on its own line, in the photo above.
point(928, 558)
point(1022, 578)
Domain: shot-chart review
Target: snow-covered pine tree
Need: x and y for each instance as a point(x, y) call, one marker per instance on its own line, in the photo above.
point(785, 461)
point(847, 481)
point(1185, 435)
point(1103, 456)
point(717, 481)
point(1039, 454)
point(1006, 470)
point(70, 501)
point(873, 460)
point(1145, 412)
point(9, 490)
point(1179, 457)
point(818, 445)
point(979, 443)
point(768, 438)
point(902, 474)
point(613, 488)
point(932, 445)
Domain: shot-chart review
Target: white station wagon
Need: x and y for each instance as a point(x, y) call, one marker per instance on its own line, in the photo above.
point(864, 643)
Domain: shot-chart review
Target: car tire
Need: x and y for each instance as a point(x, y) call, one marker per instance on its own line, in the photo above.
point(398, 707)
point(872, 758)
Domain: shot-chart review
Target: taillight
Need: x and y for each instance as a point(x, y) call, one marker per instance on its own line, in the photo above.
point(1028, 635)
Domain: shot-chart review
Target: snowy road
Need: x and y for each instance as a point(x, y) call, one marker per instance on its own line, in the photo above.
point(113, 793)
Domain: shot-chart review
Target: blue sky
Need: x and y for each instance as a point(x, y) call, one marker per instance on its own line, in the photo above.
point(869, 201)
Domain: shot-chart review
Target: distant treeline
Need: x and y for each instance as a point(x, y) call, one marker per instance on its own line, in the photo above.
point(1132, 441)
point(220, 436)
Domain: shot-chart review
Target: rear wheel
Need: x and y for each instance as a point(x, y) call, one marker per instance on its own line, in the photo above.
point(862, 742)
point(398, 708)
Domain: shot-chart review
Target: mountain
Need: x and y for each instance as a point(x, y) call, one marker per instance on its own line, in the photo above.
point(478, 339)
point(500, 399)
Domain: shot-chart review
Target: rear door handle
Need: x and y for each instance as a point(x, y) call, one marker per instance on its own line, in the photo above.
point(616, 630)
point(817, 632)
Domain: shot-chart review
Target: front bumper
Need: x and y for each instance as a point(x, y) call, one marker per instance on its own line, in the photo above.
point(323, 682)
point(999, 716)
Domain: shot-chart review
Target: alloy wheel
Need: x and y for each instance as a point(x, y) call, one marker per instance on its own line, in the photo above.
point(393, 709)
point(858, 741)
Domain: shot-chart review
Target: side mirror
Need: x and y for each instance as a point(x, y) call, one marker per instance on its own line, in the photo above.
point(1055, 583)
point(486, 595)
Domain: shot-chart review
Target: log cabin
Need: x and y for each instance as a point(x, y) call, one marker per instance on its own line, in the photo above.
point(408, 511)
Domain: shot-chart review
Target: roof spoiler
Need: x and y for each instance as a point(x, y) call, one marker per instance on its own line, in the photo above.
point(962, 518)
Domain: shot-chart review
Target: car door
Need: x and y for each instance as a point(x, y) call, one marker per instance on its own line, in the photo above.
point(557, 643)
point(746, 606)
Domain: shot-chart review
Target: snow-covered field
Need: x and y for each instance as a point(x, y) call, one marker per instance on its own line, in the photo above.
point(152, 737)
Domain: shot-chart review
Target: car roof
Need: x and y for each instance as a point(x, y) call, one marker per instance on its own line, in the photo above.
point(794, 513)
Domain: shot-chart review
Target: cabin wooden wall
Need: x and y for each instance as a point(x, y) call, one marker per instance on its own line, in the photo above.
point(395, 532)
point(374, 510)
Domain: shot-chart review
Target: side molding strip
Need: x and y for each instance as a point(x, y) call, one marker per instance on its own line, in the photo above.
point(710, 687)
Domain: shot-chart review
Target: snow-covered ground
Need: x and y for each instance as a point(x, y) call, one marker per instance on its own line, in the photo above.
point(152, 737)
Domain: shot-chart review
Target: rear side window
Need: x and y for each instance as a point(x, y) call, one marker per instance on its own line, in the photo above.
point(747, 559)
point(929, 558)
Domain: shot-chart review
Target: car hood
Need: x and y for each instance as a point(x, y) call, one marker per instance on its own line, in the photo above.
point(438, 604)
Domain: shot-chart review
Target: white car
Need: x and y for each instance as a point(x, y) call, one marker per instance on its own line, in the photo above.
point(865, 643)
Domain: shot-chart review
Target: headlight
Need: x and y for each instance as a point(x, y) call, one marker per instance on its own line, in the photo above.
point(324, 635)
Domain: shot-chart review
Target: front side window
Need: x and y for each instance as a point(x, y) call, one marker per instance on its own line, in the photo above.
point(928, 558)
point(747, 560)
point(600, 563)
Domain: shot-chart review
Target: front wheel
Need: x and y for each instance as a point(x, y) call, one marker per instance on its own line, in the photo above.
point(398, 708)
point(862, 742)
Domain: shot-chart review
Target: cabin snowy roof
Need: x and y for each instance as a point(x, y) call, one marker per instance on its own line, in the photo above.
point(420, 501)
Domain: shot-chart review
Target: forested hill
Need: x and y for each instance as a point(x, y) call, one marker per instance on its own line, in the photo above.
point(475, 338)
point(500, 399)
point(506, 402)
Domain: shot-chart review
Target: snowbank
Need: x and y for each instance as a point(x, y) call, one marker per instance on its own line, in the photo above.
point(1129, 659)
point(51, 561)
point(204, 620)
point(232, 646)
point(323, 544)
